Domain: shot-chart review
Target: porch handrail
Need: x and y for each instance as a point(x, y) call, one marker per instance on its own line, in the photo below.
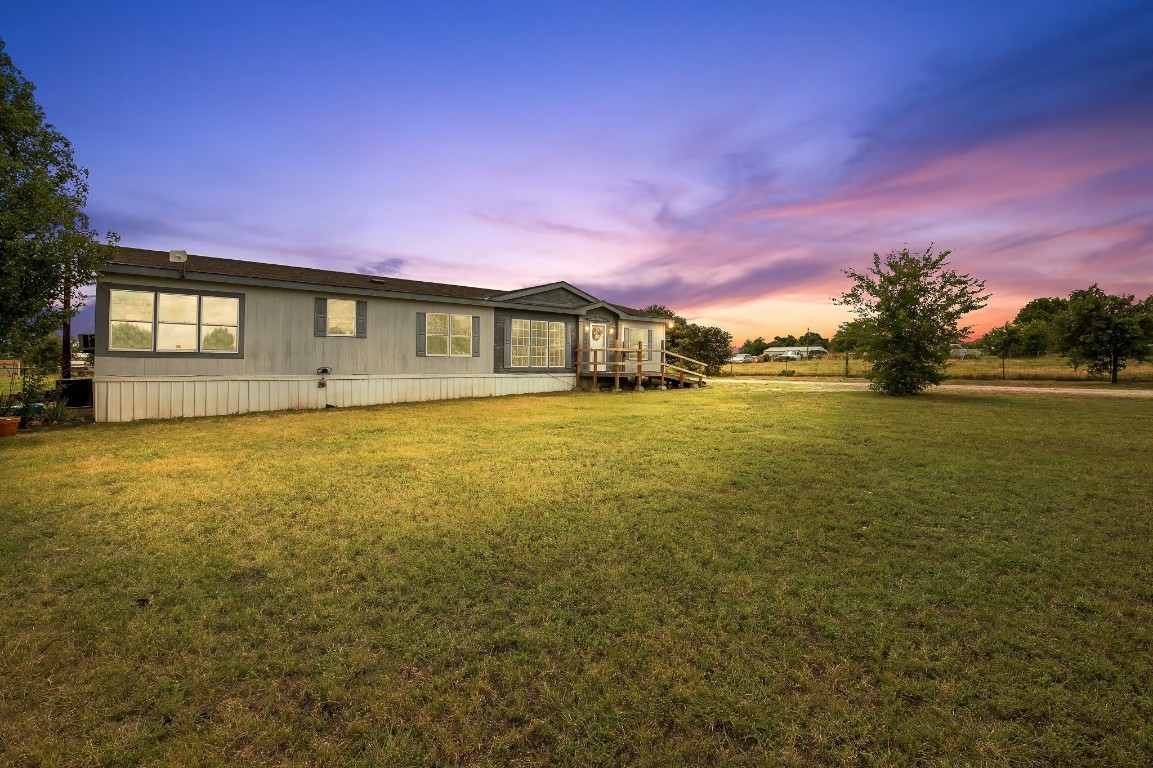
point(671, 367)
point(685, 358)
point(637, 350)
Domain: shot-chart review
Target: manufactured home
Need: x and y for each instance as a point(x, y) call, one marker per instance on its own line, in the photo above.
point(201, 336)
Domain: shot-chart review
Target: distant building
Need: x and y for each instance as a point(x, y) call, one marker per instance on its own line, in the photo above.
point(802, 351)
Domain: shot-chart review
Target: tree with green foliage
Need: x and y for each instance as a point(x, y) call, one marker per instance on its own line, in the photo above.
point(1045, 309)
point(1002, 341)
point(1037, 337)
point(1103, 332)
point(219, 340)
point(754, 346)
point(852, 336)
point(43, 352)
point(712, 346)
point(48, 250)
point(708, 344)
point(914, 304)
point(129, 336)
point(812, 339)
point(1037, 323)
point(784, 341)
point(1032, 332)
point(675, 329)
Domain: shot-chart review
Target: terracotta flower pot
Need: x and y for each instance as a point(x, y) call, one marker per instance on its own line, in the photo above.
point(9, 425)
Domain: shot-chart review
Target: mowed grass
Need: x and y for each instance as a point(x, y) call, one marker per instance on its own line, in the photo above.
point(702, 577)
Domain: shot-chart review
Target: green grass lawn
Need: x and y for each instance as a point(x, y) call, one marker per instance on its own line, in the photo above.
point(704, 577)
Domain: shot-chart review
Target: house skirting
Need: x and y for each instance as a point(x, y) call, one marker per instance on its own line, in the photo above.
point(152, 397)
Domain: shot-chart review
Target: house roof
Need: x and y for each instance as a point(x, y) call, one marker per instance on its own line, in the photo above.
point(637, 312)
point(533, 289)
point(139, 258)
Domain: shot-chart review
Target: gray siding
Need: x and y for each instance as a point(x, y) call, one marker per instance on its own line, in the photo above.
point(279, 338)
point(600, 315)
point(557, 297)
point(639, 332)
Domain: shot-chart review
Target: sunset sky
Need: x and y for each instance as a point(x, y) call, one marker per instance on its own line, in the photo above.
point(726, 159)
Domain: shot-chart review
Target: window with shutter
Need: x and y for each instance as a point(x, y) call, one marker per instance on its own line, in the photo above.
point(447, 335)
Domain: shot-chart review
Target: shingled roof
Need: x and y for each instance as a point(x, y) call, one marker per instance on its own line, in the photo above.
point(209, 265)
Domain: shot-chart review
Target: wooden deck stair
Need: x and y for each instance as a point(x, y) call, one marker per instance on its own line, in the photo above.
point(598, 367)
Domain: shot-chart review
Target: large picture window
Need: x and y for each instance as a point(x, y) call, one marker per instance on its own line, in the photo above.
point(537, 344)
point(172, 323)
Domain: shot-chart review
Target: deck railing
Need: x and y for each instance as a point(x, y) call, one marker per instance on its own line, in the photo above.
point(615, 362)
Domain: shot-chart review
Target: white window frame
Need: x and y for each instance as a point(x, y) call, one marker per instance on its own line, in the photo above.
point(151, 321)
point(156, 323)
point(195, 324)
point(448, 335)
point(555, 342)
point(328, 319)
point(630, 343)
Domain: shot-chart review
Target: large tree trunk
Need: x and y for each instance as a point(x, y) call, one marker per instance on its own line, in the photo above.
point(66, 334)
point(1113, 369)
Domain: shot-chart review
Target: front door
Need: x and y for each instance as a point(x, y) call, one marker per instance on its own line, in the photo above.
point(598, 335)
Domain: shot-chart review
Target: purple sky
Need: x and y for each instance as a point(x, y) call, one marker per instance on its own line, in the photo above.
point(724, 158)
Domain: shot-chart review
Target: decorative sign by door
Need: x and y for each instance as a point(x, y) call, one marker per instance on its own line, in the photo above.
point(598, 332)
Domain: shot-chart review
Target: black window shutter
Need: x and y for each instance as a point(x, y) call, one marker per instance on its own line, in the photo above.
point(508, 342)
point(420, 334)
point(476, 335)
point(320, 318)
point(362, 319)
point(568, 345)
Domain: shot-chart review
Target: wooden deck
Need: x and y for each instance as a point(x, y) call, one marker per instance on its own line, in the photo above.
point(600, 367)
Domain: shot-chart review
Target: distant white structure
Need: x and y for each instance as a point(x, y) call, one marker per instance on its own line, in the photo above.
point(957, 352)
point(804, 352)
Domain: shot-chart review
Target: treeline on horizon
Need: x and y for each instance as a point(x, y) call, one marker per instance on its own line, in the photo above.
point(1089, 327)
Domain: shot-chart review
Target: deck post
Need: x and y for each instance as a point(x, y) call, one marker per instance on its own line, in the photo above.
point(640, 365)
point(681, 375)
point(663, 364)
point(596, 384)
point(616, 371)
